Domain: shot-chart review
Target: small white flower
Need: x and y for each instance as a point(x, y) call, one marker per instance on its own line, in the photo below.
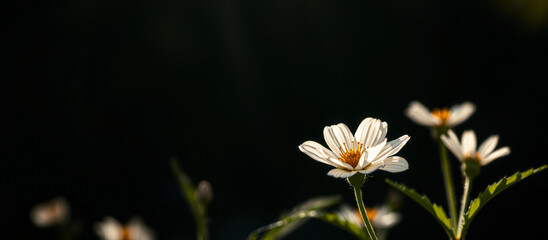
point(364, 152)
point(380, 217)
point(110, 229)
point(466, 149)
point(52, 213)
point(439, 117)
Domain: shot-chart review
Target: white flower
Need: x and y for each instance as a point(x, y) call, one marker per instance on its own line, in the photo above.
point(439, 117)
point(380, 217)
point(466, 149)
point(110, 229)
point(364, 152)
point(51, 213)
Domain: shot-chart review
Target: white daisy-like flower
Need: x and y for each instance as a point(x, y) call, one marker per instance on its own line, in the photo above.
point(380, 217)
point(364, 152)
point(110, 229)
point(51, 213)
point(466, 149)
point(439, 117)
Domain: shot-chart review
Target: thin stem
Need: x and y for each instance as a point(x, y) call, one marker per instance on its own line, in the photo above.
point(464, 204)
point(363, 213)
point(201, 223)
point(449, 187)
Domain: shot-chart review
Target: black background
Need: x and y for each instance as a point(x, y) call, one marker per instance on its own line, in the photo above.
point(97, 96)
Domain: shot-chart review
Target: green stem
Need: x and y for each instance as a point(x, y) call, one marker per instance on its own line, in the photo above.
point(201, 224)
point(365, 219)
point(464, 204)
point(449, 187)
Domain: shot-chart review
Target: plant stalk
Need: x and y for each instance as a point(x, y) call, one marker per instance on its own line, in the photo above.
point(201, 223)
point(465, 197)
point(363, 213)
point(449, 186)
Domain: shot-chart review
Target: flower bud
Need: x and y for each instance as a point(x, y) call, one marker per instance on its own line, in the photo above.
point(204, 192)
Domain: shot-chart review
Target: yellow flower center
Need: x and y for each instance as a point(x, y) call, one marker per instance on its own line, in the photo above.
point(441, 114)
point(476, 156)
point(126, 234)
point(352, 155)
point(371, 213)
point(54, 210)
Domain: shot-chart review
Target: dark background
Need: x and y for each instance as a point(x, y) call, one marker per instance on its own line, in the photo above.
point(97, 96)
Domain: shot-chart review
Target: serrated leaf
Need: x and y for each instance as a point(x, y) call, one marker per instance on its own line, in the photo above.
point(493, 190)
point(290, 221)
point(434, 209)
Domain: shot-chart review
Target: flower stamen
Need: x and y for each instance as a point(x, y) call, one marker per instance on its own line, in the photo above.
point(126, 234)
point(476, 156)
point(441, 114)
point(371, 213)
point(352, 156)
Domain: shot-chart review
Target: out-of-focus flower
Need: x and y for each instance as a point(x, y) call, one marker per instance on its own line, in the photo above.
point(110, 229)
point(54, 212)
point(465, 150)
point(380, 217)
point(364, 152)
point(204, 192)
point(439, 117)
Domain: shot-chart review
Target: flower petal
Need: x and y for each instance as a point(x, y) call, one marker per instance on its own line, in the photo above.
point(331, 141)
point(373, 167)
point(139, 230)
point(340, 164)
point(386, 220)
point(110, 229)
point(363, 129)
point(340, 173)
point(395, 164)
point(371, 133)
point(468, 141)
point(363, 161)
point(343, 135)
point(338, 137)
point(488, 146)
point(393, 147)
point(459, 113)
point(421, 115)
point(453, 144)
point(373, 152)
point(318, 152)
point(501, 152)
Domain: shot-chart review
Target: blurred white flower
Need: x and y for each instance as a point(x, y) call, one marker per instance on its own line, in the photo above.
point(364, 152)
point(466, 149)
point(110, 229)
point(439, 117)
point(380, 217)
point(51, 213)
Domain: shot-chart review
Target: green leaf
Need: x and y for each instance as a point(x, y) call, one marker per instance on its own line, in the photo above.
point(313, 204)
point(284, 226)
point(187, 188)
point(493, 190)
point(335, 219)
point(434, 209)
point(311, 209)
